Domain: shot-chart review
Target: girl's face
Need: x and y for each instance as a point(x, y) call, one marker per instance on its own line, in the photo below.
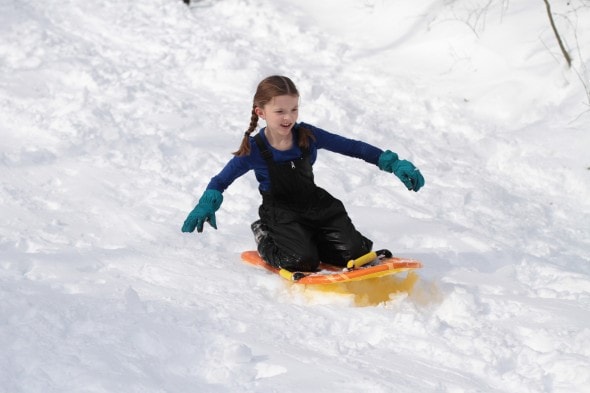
point(280, 114)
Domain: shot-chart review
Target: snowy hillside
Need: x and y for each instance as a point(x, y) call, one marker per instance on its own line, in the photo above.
point(114, 115)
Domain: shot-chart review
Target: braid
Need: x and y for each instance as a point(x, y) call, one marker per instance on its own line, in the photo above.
point(244, 149)
point(253, 120)
point(305, 136)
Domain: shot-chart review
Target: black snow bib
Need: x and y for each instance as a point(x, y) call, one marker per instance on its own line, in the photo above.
point(291, 182)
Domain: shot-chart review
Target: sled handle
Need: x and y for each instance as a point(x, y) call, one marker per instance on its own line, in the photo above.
point(291, 276)
point(369, 257)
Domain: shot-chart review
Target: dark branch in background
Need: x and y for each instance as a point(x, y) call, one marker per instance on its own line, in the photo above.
point(563, 50)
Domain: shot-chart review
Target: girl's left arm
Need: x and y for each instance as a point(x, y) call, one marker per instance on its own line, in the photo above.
point(350, 147)
point(387, 161)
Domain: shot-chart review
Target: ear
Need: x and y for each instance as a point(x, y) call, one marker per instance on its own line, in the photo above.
point(260, 112)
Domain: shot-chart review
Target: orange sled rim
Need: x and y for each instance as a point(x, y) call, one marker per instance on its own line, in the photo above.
point(331, 274)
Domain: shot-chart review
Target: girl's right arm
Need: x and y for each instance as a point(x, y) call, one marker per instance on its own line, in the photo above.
point(235, 168)
point(211, 199)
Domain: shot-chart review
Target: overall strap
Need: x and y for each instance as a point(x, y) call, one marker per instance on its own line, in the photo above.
point(266, 154)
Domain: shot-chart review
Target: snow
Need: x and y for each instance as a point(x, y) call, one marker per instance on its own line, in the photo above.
point(115, 115)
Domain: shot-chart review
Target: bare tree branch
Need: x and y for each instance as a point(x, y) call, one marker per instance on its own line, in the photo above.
point(561, 46)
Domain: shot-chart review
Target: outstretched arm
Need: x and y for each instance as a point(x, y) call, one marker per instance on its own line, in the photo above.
point(386, 160)
point(212, 197)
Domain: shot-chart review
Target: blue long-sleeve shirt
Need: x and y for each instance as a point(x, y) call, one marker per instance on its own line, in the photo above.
point(238, 166)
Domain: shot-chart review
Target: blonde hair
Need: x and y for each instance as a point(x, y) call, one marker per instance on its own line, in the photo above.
point(268, 88)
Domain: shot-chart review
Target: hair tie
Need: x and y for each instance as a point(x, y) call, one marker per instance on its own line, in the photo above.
point(246, 133)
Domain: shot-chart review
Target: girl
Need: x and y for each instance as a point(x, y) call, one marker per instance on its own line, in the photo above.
point(300, 223)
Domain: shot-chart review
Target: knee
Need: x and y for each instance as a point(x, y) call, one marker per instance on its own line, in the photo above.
point(304, 263)
point(280, 258)
point(340, 254)
point(309, 262)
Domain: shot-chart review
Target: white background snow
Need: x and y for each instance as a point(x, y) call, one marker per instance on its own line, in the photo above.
point(114, 115)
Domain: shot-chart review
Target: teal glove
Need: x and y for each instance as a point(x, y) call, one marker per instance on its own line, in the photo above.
point(204, 211)
point(405, 170)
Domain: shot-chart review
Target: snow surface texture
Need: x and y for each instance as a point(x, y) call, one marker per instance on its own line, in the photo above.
point(114, 115)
